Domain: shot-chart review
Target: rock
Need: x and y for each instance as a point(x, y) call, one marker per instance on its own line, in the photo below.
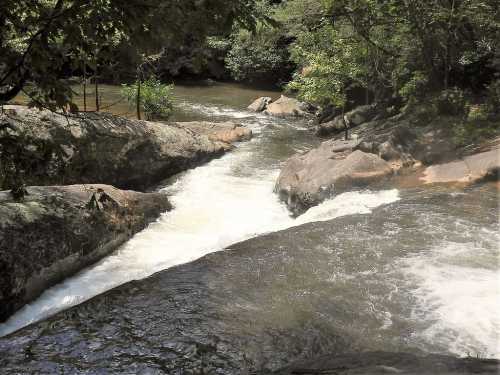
point(326, 114)
point(360, 115)
point(334, 126)
point(272, 302)
point(97, 147)
point(58, 230)
point(226, 132)
point(468, 170)
point(354, 118)
point(388, 151)
point(332, 168)
point(260, 104)
point(378, 363)
point(287, 107)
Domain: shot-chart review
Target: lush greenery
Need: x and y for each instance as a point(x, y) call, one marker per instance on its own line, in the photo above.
point(351, 51)
point(153, 98)
point(44, 42)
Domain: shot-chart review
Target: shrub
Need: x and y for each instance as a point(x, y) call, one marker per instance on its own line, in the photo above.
point(415, 87)
point(452, 102)
point(479, 112)
point(156, 98)
point(493, 97)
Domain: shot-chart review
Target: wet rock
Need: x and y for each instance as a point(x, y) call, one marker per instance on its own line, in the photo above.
point(260, 104)
point(226, 132)
point(356, 117)
point(55, 231)
point(52, 149)
point(287, 107)
point(320, 289)
point(468, 170)
point(377, 363)
point(308, 179)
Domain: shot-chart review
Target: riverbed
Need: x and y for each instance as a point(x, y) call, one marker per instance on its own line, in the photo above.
point(388, 269)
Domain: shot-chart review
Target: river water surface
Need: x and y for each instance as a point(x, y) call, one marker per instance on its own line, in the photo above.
point(446, 281)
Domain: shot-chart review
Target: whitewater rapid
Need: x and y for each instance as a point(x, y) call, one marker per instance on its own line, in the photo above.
point(455, 284)
point(226, 201)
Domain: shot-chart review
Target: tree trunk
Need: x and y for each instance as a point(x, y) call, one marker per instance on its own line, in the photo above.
point(84, 87)
point(138, 99)
point(96, 92)
point(346, 128)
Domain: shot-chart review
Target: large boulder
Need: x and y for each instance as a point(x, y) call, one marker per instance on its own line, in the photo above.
point(260, 104)
point(52, 149)
point(56, 231)
point(287, 107)
point(308, 179)
point(467, 170)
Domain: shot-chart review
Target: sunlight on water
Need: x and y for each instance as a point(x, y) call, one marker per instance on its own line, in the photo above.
point(215, 206)
point(459, 292)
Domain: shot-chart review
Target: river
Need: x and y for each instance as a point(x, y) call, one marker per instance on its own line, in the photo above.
point(436, 280)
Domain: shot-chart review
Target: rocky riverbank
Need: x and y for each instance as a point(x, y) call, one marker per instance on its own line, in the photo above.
point(48, 233)
point(52, 149)
point(56, 231)
point(269, 302)
point(381, 146)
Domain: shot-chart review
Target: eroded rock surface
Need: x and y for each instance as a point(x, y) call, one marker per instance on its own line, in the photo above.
point(52, 149)
point(469, 169)
point(356, 117)
point(226, 132)
point(320, 289)
point(308, 179)
point(287, 107)
point(260, 104)
point(56, 231)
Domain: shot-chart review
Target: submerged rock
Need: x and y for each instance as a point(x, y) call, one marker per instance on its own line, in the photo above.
point(56, 231)
point(260, 104)
point(287, 107)
point(323, 288)
point(52, 149)
point(308, 179)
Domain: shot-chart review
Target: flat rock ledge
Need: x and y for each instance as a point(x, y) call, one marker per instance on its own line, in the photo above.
point(470, 169)
point(53, 149)
point(55, 231)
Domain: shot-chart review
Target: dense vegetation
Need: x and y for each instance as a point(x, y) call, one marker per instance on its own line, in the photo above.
point(374, 50)
point(329, 52)
point(44, 42)
point(151, 97)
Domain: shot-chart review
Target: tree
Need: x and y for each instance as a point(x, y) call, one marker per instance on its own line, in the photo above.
point(42, 41)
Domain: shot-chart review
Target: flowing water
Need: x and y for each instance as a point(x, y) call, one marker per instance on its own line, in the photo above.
point(447, 273)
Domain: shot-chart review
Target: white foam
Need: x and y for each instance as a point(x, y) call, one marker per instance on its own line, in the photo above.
point(215, 206)
point(459, 292)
